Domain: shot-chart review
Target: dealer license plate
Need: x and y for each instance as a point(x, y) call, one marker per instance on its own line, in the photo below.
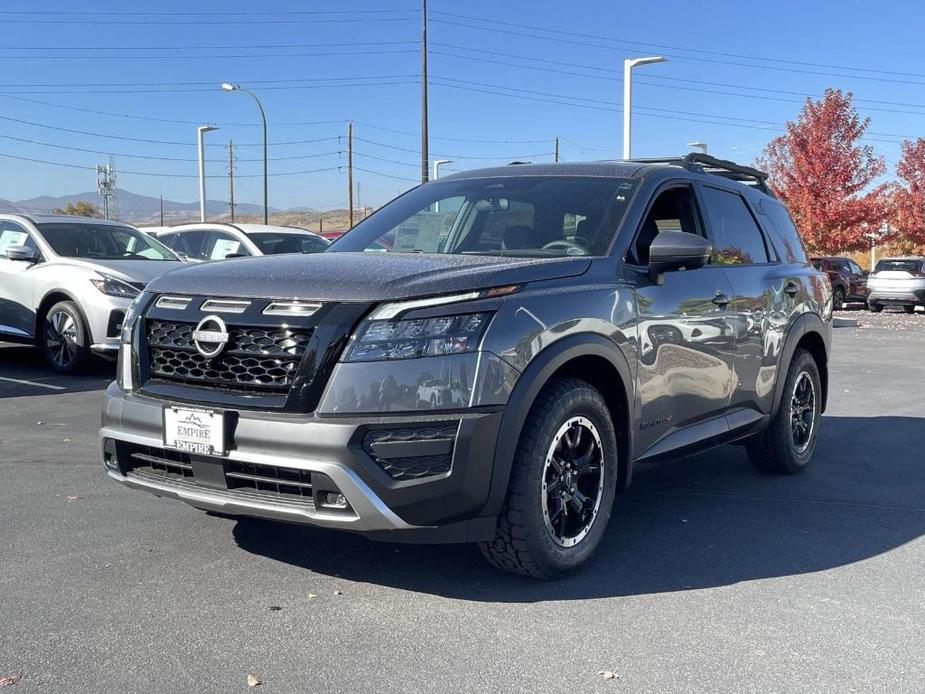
point(194, 430)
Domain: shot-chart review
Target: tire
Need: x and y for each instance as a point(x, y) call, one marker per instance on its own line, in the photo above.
point(875, 308)
point(838, 299)
point(527, 540)
point(65, 338)
point(909, 309)
point(779, 448)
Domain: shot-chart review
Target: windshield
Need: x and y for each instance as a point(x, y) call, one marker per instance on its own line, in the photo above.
point(534, 216)
point(102, 242)
point(276, 242)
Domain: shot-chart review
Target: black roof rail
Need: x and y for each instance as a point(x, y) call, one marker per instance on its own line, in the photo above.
point(704, 163)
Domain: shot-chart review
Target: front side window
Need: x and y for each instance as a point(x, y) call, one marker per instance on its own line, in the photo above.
point(737, 240)
point(223, 245)
point(12, 234)
point(102, 242)
point(530, 216)
point(672, 210)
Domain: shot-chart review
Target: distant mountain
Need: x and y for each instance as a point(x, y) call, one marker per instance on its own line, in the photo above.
point(131, 207)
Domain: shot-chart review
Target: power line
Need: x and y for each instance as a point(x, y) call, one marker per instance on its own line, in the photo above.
point(199, 23)
point(210, 13)
point(204, 47)
point(704, 51)
point(243, 56)
point(202, 89)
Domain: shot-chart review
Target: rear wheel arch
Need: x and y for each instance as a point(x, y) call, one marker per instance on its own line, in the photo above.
point(806, 333)
point(591, 358)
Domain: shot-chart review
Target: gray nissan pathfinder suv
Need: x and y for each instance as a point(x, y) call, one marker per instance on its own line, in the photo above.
point(484, 359)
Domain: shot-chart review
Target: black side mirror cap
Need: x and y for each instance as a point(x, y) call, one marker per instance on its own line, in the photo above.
point(677, 250)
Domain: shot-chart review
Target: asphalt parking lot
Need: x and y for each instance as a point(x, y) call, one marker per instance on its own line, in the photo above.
point(713, 578)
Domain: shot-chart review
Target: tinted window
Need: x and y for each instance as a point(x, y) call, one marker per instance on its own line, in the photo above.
point(102, 241)
point(673, 210)
point(277, 242)
point(190, 243)
point(737, 240)
point(794, 252)
point(854, 267)
point(533, 216)
point(901, 265)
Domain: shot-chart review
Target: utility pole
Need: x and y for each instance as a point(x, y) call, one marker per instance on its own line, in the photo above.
point(162, 210)
point(555, 152)
point(231, 178)
point(350, 172)
point(320, 225)
point(362, 212)
point(106, 185)
point(425, 149)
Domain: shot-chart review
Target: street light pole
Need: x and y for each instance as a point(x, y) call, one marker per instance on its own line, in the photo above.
point(437, 164)
point(200, 131)
point(628, 66)
point(231, 87)
point(702, 146)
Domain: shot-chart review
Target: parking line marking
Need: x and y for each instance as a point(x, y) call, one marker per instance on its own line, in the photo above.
point(32, 383)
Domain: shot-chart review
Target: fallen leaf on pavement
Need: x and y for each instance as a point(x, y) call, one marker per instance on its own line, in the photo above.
point(338, 592)
point(275, 608)
point(252, 681)
point(312, 596)
point(9, 681)
point(609, 675)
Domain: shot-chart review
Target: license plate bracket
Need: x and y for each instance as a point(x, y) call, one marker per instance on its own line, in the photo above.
point(194, 430)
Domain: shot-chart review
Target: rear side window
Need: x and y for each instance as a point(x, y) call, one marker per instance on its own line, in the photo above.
point(737, 240)
point(794, 252)
point(900, 264)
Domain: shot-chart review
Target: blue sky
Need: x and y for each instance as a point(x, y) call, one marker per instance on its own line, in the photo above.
point(507, 78)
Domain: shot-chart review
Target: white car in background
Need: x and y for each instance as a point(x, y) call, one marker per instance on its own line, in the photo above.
point(897, 282)
point(67, 282)
point(217, 241)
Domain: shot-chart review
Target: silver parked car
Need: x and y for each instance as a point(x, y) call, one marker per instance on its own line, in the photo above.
point(219, 240)
point(66, 282)
point(897, 282)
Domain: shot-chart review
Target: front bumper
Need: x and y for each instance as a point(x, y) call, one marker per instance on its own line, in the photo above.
point(104, 316)
point(445, 505)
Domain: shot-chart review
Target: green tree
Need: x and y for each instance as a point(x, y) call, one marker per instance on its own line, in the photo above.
point(81, 208)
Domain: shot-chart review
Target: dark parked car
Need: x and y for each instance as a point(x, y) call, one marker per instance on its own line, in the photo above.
point(519, 339)
point(848, 279)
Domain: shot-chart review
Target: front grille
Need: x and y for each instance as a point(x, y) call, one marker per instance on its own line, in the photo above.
point(248, 480)
point(255, 358)
point(438, 438)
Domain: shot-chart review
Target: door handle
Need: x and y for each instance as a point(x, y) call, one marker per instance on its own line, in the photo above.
point(721, 300)
point(791, 288)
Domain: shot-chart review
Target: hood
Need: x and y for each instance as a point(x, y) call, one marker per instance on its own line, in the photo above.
point(142, 271)
point(361, 276)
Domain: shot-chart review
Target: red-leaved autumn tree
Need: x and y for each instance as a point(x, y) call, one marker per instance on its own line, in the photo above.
point(909, 196)
point(825, 176)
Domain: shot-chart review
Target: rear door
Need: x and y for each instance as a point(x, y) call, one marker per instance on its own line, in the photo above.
point(766, 293)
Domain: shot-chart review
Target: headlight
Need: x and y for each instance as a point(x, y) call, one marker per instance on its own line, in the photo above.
point(383, 340)
point(129, 319)
point(115, 287)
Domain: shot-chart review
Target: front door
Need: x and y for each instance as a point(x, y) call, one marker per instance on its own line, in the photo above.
point(686, 342)
point(17, 286)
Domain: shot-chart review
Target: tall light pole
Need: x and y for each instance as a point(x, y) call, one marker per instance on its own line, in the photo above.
point(702, 146)
point(437, 164)
point(628, 66)
point(200, 131)
point(231, 87)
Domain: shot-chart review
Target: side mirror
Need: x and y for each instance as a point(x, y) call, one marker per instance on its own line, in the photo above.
point(677, 250)
point(24, 253)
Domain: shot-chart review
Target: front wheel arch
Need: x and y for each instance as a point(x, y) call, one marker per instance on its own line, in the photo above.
point(588, 357)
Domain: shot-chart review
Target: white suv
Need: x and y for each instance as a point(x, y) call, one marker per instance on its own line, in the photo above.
point(217, 241)
point(66, 283)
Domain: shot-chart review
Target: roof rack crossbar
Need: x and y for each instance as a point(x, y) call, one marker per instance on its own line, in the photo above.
point(697, 161)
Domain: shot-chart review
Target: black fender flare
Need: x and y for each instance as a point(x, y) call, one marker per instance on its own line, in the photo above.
point(528, 386)
point(807, 323)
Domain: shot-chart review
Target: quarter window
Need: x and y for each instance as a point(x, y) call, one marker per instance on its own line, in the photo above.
point(737, 240)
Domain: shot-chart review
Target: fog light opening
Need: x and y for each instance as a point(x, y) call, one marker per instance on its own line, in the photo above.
point(333, 500)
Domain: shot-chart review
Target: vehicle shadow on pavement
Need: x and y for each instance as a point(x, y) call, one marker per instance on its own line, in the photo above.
point(707, 521)
point(24, 363)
